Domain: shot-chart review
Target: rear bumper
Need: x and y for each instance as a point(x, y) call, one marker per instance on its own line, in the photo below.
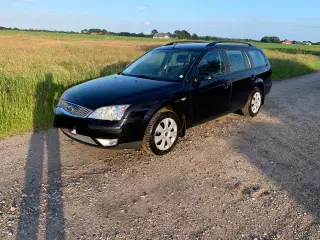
point(267, 87)
point(128, 132)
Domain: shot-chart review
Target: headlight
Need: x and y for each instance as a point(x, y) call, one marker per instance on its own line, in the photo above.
point(111, 113)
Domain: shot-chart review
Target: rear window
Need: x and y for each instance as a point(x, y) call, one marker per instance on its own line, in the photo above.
point(257, 58)
point(236, 60)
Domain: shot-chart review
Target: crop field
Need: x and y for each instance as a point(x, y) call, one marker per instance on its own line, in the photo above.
point(35, 68)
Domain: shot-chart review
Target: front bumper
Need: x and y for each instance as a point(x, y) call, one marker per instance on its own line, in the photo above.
point(129, 131)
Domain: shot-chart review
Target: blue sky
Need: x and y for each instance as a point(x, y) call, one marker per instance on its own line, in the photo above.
point(295, 20)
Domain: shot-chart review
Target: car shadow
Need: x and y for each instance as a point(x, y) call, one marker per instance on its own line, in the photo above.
point(284, 143)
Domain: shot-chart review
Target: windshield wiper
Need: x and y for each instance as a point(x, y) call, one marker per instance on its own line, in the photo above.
point(144, 76)
point(139, 76)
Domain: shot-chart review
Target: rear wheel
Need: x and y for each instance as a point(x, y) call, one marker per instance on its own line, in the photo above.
point(162, 132)
point(253, 104)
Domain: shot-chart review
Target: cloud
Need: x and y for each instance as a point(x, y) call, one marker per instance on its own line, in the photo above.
point(147, 23)
point(29, 1)
point(141, 8)
point(45, 13)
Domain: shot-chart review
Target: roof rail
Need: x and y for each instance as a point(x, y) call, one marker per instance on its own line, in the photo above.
point(228, 41)
point(176, 42)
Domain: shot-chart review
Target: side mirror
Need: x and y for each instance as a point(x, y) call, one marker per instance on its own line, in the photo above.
point(205, 76)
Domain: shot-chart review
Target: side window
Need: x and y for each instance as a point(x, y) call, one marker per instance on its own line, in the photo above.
point(212, 62)
point(236, 60)
point(257, 58)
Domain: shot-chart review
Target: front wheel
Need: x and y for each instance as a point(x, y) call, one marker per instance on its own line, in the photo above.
point(253, 104)
point(162, 133)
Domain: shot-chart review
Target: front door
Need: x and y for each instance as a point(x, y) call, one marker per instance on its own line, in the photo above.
point(211, 97)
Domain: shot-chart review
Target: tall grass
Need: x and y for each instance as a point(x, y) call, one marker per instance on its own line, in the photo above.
point(285, 65)
point(28, 93)
point(25, 61)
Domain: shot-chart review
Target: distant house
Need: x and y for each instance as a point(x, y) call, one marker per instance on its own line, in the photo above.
point(162, 36)
point(286, 42)
point(307, 43)
point(303, 43)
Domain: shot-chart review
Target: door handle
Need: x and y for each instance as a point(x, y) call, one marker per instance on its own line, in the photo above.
point(226, 85)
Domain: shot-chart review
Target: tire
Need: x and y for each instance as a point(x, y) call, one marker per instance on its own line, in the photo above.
point(253, 105)
point(157, 142)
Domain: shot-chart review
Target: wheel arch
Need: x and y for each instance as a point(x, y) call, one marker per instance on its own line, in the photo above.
point(178, 107)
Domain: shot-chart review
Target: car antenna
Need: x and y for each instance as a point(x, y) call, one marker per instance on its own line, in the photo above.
point(174, 44)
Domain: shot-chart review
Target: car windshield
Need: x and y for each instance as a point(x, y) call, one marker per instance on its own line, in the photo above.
point(170, 65)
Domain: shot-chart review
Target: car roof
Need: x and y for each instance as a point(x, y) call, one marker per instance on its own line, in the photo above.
point(184, 46)
point(187, 46)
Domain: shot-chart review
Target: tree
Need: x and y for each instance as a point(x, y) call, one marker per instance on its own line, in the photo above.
point(182, 34)
point(271, 39)
point(104, 32)
point(154, 31)
point(194, 36)
point(177, 33)
point(266, 39)
point(275, 39)
point(94, 30)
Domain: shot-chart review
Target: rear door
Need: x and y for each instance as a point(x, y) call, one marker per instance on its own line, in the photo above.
point(240, 73)
point(260, 67)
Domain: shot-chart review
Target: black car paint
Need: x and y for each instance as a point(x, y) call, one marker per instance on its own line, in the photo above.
point(110, 90)
point(194, 101)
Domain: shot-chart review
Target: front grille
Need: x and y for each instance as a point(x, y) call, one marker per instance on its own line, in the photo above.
point(74, 109)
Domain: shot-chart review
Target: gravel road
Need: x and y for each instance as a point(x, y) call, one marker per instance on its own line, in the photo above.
point(230, 178)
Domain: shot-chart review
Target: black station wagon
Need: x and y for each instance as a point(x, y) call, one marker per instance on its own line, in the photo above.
point(157, 97)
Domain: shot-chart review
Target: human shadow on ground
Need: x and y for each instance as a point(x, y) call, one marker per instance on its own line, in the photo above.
point(43, 145)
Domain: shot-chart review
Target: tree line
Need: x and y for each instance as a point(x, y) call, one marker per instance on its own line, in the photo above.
point(37, 30)
point(274, 39)
point(177, 34)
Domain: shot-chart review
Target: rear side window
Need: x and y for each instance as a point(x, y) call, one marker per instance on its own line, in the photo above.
point(258, 59)
point(212, 62)
point(236, 60)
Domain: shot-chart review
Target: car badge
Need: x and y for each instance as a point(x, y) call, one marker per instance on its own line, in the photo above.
point(70, 108)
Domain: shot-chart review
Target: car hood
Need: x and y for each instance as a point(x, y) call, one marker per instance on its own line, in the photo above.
point(111, 90)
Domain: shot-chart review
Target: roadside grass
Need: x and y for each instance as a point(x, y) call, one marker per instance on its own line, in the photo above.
point(285, 65)
point(35, 68)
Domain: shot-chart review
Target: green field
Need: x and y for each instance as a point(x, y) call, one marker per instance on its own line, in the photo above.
point(35, 68)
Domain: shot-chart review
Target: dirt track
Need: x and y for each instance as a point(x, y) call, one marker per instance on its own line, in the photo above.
point(199, 191)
